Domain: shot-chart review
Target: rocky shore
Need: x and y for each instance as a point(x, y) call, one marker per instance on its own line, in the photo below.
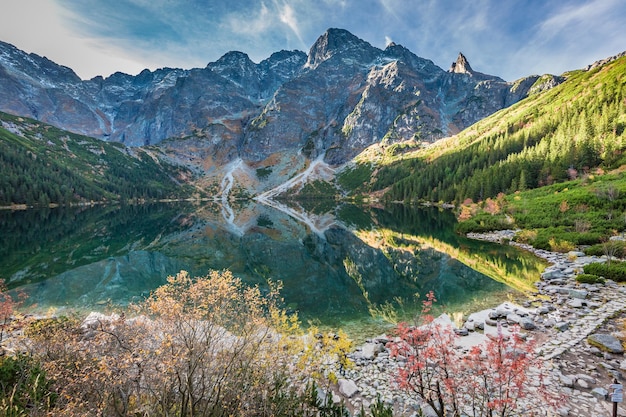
point(577, 327)
point(578, 330)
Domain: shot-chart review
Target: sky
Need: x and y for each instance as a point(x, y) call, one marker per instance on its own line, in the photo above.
point(507, 38)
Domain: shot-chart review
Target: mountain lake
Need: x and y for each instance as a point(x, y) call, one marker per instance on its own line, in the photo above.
point(358, 268)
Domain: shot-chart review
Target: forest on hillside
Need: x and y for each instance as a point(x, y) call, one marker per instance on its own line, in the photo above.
point(550, 137)
point(40, 165)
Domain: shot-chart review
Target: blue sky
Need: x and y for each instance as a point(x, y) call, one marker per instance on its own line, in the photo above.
point(508, 38)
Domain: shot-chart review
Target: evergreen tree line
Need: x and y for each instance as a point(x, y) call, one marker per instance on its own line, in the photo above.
point(40, 170)
point(569, 131)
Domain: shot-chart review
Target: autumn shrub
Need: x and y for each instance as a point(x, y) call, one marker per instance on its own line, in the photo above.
point(525, 236)
point(492, 379)
point(196, 347)
point(8, 306)
point(96, 369)
point(562, 246)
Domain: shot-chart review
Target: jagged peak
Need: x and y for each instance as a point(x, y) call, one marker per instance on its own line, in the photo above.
point(461, 65)
point(235, 66)
point(333, 42)
point(392, 46)
point(283, 56)
point(232, 57)
point(34, 64)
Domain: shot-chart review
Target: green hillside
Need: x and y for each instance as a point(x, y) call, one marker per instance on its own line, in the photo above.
point(42, 165)
point(557, 217)
point(561, 134)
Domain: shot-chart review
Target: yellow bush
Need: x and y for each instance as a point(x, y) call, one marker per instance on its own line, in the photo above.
point(526, 236)
point(562, 246)
point(196, 346)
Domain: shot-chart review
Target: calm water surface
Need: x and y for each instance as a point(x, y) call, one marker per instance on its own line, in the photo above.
point(352, 267)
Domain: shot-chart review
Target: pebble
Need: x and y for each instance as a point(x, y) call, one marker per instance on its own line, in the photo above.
point(572, 313)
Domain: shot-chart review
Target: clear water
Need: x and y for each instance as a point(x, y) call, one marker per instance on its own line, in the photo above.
point(353, 267)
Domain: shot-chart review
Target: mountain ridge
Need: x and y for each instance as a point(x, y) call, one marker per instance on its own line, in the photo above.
point(278, 115)
point(267, 165)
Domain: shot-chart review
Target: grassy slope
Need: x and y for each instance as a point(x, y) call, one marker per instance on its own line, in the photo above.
point(548, 154)
point(579, 124)
point(40, 164)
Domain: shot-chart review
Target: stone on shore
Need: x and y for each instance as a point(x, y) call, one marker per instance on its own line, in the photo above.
point(370, 350)
point(606, 342)
point(576, 293)
point(600, 393)
point(347, 387)
point(562, 326)
point(527, 323)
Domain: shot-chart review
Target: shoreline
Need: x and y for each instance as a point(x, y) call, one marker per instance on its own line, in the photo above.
point(560, 316)
point(131, 202)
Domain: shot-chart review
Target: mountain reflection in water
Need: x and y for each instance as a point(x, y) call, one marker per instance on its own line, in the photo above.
point(354, 266)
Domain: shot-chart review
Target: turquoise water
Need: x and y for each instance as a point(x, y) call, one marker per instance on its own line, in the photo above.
point(354, 267)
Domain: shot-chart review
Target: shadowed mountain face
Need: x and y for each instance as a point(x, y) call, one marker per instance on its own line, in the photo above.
point(292, 107)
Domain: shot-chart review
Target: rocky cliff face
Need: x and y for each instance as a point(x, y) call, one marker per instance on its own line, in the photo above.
point(142, 109)
point(289, 109)
point(461, 65)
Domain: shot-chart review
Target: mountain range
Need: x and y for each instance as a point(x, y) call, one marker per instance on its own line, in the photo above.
point(242, 124)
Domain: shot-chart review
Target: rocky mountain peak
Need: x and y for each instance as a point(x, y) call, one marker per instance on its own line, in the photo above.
point(233, 61)
point(233, 58)
point(284, 65)
point(35, 66)
point(285, 61)
point(461, 66)
point(285, 111)
point(237, 67)
point(339, 42)
point(425, 67)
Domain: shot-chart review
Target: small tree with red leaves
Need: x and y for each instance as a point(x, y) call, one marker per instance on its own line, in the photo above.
point(496, 379)
point(492, 379)
point(431, 364)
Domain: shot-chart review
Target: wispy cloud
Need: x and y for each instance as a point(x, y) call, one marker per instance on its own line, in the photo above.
point(391, 7)
point(337, 3)
point(288, 16)
point(573, 35)
point(126, 19)
point(507, 38)
point(253, 23)
point(570, 17)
